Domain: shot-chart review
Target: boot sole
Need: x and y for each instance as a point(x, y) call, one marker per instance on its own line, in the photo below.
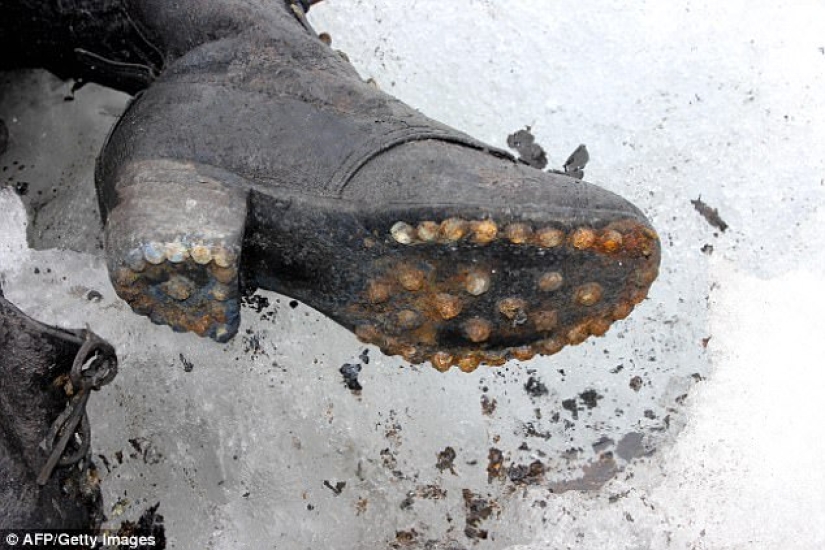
point(452, 285)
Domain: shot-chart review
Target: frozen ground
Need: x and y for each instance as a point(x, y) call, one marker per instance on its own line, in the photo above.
point(695, 423)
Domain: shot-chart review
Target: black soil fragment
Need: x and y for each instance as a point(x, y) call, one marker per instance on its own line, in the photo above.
point(603, 444)
point(488, 405)
point(350, 373)
point(578, 159)
point(252, 344)
point(255, 302)
point(187, 364)
point(711, 215)
point(337, 488)
point(478, 510)
point(523, 474)
point(446, 459)
point(259, 304)
point(535, 387)
point(150, 524)
point(590, 398)
point(524, 143)
point(572, 406)
point(404, 539)
point(429, 492)
point(21, 188)
point(495, 464)
point(530, 430)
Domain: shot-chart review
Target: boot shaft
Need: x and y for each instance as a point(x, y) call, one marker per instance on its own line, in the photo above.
point(32, 357)
point(126, 44)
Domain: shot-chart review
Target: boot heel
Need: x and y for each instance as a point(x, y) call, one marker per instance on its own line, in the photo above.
point(173, 246)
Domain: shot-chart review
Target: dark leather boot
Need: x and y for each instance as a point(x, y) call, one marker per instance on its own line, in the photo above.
point(40, 487)
point(259, 158)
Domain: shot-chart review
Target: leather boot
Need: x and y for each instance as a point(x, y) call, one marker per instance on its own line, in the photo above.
point(40, 487)
point(258, 158)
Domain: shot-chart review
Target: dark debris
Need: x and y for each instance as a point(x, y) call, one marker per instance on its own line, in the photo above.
point(495, 464)
point(478, 509)
point(711, 215)
point(530, 152)
point(350, 373)
point(446, 459)
point(150, 524)
point(337, 488)
point(535, 387)
point(578, 159)
point(187, 364)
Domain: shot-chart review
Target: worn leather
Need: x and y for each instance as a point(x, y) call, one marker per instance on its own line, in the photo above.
point(30, 361)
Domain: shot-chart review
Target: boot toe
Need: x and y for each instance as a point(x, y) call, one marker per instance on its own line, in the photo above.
point(493, 260)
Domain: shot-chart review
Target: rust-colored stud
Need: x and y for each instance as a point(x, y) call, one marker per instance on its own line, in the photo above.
point(494, 359)
point(638, 296)
point(484, 231)
point(408, 319)
point(600, 326)
point(201, 254)
point(223, 256)
point(410, 354)
point(224, 275)
point(583, 238)
point(369, 334)
point(200, 325)
point(220, 292)
point(622, 310)
point(550, 346)
point(134, 259)
point(550, 281)
point(518, 233)
point(442, 361)
point(178, 287)
point(578, 333)
point(411, 278)
point(448, 306)
point(403, 233)
point(378, 293)
point(523, 353)
point(645, 277)
point(477, 329)
point(176, 252)
point(477, 283)
point(469, 363)
point(454, 229)
point(648, 245)
point(588, 294)
point(545, 320)
point(428, 231)
point(125, 277)
point(154, 252)
point(549, 237)
point(512, 308)
point(611, 240)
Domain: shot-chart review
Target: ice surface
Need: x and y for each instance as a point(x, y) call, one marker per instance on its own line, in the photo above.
point(674, 100)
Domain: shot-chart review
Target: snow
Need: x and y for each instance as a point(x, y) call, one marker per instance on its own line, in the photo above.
point(675, 100)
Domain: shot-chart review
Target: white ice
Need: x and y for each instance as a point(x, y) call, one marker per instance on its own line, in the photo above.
point(674, 100)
